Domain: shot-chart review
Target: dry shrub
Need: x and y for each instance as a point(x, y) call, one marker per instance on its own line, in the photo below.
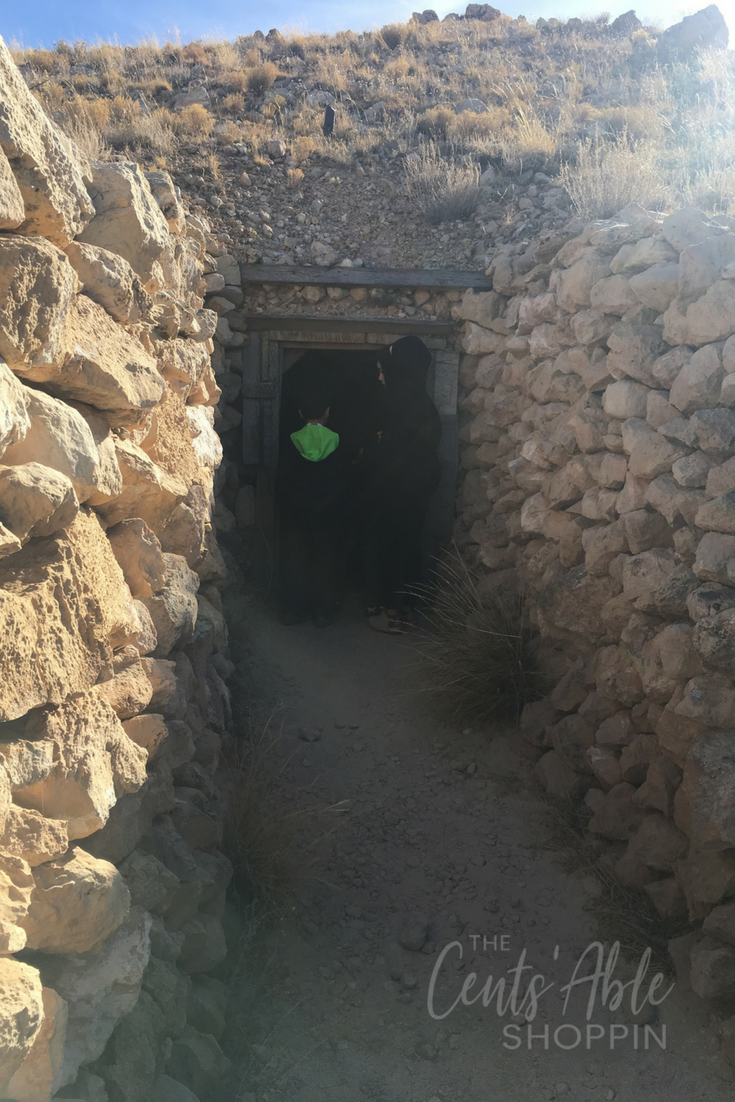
point(87, 137)
point(235, 80)
point(526, 141)
point(262, 77)
point(436, 121)
point(234, 104)
point(443, 190)
point(196, 121)
point(393, 35)
point(302, 148)
point(294, 176)
point(194, 53)
point(227, 133)
point(606, 176)
point(480, 658)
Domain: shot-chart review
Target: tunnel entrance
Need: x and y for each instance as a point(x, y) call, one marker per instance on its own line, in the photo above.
point(345, 354)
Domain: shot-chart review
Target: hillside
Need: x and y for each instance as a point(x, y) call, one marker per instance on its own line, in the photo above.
point(449, 136)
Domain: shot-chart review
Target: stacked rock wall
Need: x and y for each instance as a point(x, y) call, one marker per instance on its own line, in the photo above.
point(599, 455)
point(112, 641)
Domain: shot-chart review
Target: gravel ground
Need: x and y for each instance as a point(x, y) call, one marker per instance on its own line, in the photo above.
point(446, 842)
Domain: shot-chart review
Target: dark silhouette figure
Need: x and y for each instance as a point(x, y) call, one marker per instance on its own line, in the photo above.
point(329, 117)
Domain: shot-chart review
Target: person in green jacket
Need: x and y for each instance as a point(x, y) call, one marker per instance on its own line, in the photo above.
point(311, 493)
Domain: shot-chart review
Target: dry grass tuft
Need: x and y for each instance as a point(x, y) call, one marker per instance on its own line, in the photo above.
point(443, 190)
point(261, 78)
point(480, 659)
point(606, 176)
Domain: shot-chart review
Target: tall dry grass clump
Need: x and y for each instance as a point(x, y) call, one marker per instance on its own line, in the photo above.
point(480, 658)
point(606, 176)
point(442, 189)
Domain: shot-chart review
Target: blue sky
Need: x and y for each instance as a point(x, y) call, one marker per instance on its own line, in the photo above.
point(42, 22)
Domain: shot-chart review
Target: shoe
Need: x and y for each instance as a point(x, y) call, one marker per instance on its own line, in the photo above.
point(390, 625)
point(324, 620)
point(288, 619)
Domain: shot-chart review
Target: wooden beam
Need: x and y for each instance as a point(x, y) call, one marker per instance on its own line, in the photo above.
point(315, 323)
point(411, 278)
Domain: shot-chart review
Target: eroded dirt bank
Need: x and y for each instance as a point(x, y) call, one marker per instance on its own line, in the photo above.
point(445, 838)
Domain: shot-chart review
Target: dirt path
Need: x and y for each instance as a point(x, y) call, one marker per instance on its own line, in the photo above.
point(445, 840)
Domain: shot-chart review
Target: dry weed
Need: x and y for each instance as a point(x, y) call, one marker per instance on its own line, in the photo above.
point(606, 176)
point(442, 189)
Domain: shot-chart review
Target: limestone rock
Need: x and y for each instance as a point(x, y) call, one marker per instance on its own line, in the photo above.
point(625, 399)
point(715, 558)
point(197, 1060)
point(207, 444)
point(37, 290)
point(481, 307)
point(698, 384)
point(557, 776)
point(12, 207)
point(26, 762)
point(720, 923)
point(152, 886)
point(164, 191)
point(659, 788)
point(707, 877)
point(31, 836)
point(78, 901)
point(717, 515)
point(59, 438)
point(21, 1014)
point(650, 453)
point(634, 350)
point(50, 651)
point(708, 319)
point(133, 814)
point(576, 282)
point(96, 764)
point(706, 29)
point(714, 640)
point(40, 1073)
point(16, 888)
point(35, 500)
point(709, 788)
point(658, 843)
point(43, 160)
point(613, 295)
point(712, 974)
point(99, 989)
point(14, 420)
point(618, 817)
point(148, 731)
point(127, 219)
point(656, 286)
point(174, 608)
point(139, 555)
point(148, 492)
point(103, 364)
point(109, 281)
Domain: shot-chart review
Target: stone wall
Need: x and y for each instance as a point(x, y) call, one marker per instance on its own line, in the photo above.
point(599, 455)
point(112, 655)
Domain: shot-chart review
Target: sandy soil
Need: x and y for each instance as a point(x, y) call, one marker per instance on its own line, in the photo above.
point(446, 840)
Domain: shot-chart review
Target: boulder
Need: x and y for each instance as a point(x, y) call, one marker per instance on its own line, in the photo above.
point(148, 731)
point(148, 491)
point(12, 207)
point(663, 777)
point(99, 989)
point(96, 764)
point(650, 453)
point(557, 776)
point(127, 219)
point(152, 886)
point(712, 974)
point(698, 384)
point(708, 788)
point(16, 889)
point(14, 419)
point(50, 650)
point(571, 737)
point(714, 640)
point(617, 818)
point(59, 438)
point(132, 815)
point(39, 1076)
point(48, 171)
point(33, 272)
point(109, 281)
point(26, 762)
point(132, 1054)
point(613, 295)
point(35, 500)
point(139, 556)
point(715, 558)
point(78, 901)
point(708, 319)
point(576, 282)
point(658, 843)
point(656, 286)
point(166, 194)
point(634, 350)
point(31, 836)
point(625, 399)
point(104, 365)
point(207, 444)
point(21, 1013)
point(704, 30)
point(173, 608)
point(482, 307)
point(204, 944)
